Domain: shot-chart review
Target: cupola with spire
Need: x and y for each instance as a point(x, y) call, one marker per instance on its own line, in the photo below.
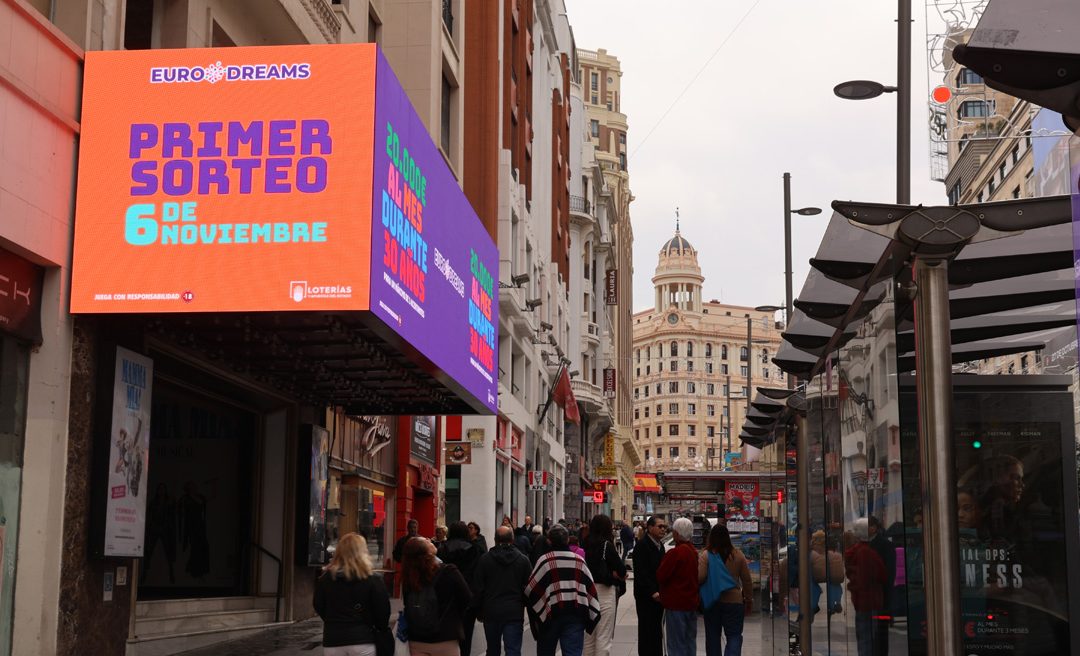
point(678, 276)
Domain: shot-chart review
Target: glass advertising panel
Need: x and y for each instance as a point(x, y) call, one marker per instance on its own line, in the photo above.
point(204, 200)
point(1016, 514)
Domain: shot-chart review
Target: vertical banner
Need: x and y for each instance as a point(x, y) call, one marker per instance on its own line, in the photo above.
point(611, 287)
point(129, 450)
point(609, 450)
point(609, 383)
point(742, 507)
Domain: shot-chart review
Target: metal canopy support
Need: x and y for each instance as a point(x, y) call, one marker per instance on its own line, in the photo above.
point(938, 460)
point(802, 490)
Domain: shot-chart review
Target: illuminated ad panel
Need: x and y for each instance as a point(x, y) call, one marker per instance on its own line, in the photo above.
point(225, 180)
point(285, 178)
point(433, 266)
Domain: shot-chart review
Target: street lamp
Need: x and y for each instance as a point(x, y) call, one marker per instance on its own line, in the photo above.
point(802, 211)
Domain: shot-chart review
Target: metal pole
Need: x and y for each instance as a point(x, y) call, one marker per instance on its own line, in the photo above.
point(749, 358)
point(728, 400)
point(788, 297)
point(903, 103)
point(933, 367)
point(802, 491)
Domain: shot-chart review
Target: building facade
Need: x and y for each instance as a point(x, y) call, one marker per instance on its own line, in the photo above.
point(693, 363)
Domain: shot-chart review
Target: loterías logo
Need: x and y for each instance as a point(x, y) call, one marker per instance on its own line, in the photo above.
point(299, 290)
point(217, 72)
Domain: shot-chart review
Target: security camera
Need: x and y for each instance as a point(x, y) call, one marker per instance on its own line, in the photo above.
point(574, 373)
point(534, 303)
point(546, 326)
point(520, 279)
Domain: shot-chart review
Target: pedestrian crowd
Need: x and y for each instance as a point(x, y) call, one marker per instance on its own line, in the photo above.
point(564, 579)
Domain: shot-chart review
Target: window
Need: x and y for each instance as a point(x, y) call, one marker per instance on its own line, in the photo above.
point(673, 429)
point(658, 388)
point(659, 409)
point(743, 370)
point(637, 413)
point(637, 354)
point(723, 352)
point(673, 387)
point(724, 411)
point(445, 122)
point(691, 451)
point(691, 408)
point(658, 433)
point(710, 410)
point(974, 109)
point(1016, 193)
point(744, 355)
point(990, 187)
point(724, 369)
point(637, 372)
point(594, 127)
point(708, 368)
point(710, 389)
point(691, 431)
point(646, 412)
point(1001, 171)
point(673, 408)
point(968, 76)
point(710, 431)
point(689, 349)
point(954, 194)
point(648, 370)
point(595, 85)
point(674, 451)
point(708, 350)
point(646, 454)
point(648, 352)
point(674, 349)
point(637, 394)
point(689, 365)
point(726, 390)
point(674, 365)
point(595, 99)
point(765, 371)
point(1015, 155)
point(622, 138)
point(979, 198)
point(691, 388)
point(660, 367)
point(646, 391)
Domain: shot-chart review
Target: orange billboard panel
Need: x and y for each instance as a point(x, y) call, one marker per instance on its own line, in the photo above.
point(225, 180)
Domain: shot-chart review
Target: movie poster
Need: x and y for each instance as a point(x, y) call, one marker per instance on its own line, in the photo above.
point(129, 448)
point(742, 507)
point(1013, 520)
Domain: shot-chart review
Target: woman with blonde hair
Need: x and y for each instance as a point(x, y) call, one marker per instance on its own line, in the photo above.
point(352, 602)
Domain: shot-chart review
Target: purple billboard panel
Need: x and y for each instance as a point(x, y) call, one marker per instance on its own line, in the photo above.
point(433, 265)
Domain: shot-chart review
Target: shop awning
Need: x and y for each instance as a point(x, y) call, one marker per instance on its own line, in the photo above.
point(646, 483)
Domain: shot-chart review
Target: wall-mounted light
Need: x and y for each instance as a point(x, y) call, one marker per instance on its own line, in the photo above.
point(520, 279)
point(534, 303)
point(546, 326)
point(575, 373)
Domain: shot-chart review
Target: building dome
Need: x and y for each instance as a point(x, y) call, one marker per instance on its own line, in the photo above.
point(677, 245)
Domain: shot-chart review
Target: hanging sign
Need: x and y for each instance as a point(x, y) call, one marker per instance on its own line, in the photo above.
point(129, 451)
point(476, 437)
point(609, 383)
point(458, 453)
point(609, 449)
point(611, 287)
point(538, 480)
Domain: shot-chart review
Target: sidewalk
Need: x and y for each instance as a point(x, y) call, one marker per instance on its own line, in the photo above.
point(305, 638)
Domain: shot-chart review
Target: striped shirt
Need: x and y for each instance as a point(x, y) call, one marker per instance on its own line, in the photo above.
point(562, 583)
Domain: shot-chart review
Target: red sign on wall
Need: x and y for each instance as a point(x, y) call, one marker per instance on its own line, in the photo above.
point(609, 383)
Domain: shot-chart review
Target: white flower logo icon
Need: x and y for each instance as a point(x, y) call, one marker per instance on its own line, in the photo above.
point(215, 73)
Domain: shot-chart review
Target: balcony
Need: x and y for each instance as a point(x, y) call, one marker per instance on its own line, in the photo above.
point(592, 333)
point(580, 205)
point(322, 14)
point(592, 397)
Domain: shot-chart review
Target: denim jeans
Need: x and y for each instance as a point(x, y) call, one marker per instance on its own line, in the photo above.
point(566, 631)
point(681, 632)
point(499, 633)
point(864, 633)
point(726, 618)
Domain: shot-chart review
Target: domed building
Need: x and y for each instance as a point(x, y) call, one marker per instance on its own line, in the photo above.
point(690, 363)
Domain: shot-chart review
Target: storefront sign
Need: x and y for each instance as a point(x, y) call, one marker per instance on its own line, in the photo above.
point(606, 471)
point(379, 433)
point(742, 507)
point(209, 202)
point(458, 453)
point(129, 451)
point(875, 478)
point(598, 496)
point(20, 297)
point(609, 449)
point(587, 497)
point(611, 287)
point(422, 438)
point(476, 437)
point(609, 383)
point(538, 480)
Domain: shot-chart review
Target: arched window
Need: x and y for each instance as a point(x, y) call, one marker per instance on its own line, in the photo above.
point(723, 351)
point(689, 349)
point(743, 354)
point(674, 348)
point(708, 350)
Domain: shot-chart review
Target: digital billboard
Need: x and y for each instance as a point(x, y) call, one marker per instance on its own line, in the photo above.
point(284, 178)
point(224, 180)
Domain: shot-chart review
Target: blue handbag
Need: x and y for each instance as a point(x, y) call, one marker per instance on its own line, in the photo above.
point(402, 628)
point(717, 582)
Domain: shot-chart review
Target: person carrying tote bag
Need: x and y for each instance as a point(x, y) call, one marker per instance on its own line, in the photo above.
point(726, 592)
point(353, 603)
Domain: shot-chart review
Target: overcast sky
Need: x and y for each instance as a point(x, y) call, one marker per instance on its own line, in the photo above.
point(764, 105)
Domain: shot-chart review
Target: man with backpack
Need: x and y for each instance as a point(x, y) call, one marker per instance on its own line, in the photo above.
point(498, 598)
point(561, 598)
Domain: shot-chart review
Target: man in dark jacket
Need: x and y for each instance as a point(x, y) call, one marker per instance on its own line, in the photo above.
point(498, 593)
point(526, 528)
point(464, 554)
point(626, 536)
point(646, 557)
point(412, 530)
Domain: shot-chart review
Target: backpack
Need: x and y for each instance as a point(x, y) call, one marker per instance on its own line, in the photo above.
point(717, 582)
point(422, 614)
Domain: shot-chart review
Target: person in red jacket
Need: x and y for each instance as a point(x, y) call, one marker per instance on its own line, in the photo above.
point(678, 579)
point(867, 579)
